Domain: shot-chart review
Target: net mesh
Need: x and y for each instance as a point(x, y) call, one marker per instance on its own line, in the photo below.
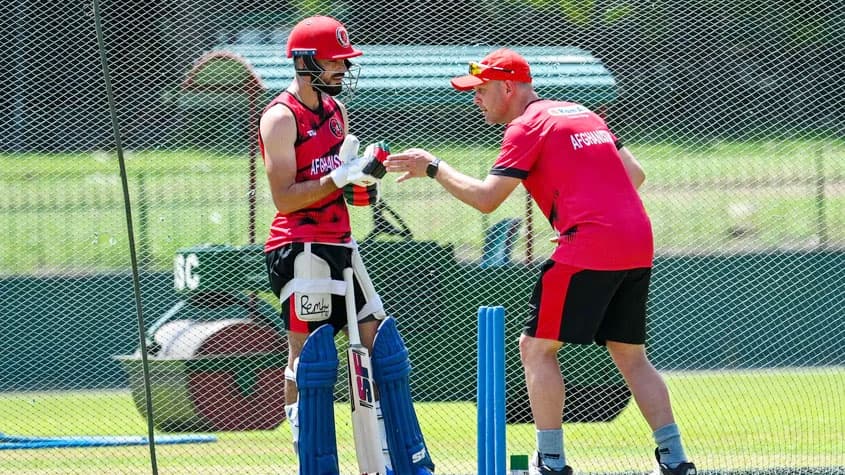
point(734, 110)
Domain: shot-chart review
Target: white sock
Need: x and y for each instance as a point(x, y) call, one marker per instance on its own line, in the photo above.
point(383, 433)
point(292, 414)
point(292, 410)
point(550, 447)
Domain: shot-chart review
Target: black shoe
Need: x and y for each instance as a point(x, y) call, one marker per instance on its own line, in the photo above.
point(538, 467)
point(685, 468)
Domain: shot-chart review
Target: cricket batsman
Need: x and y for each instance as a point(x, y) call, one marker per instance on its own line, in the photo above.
point(314, 172)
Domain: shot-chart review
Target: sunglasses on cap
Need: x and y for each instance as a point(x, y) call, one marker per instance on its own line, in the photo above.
point(477, 69)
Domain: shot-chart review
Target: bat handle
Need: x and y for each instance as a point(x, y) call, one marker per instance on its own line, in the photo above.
point(351, 312)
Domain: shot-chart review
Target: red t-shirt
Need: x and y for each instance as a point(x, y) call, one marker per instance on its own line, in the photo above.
point(319, 135)
point(567, 159)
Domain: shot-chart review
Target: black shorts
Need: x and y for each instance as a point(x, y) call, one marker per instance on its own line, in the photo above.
point(581, 306)
point(281, 271)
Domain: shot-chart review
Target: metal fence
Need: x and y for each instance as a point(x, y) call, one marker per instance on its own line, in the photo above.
point(733, 108)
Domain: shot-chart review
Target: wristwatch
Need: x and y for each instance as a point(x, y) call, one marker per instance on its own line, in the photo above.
point(431, 169)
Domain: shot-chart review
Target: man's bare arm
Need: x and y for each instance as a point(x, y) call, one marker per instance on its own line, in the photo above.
point(278, 132)
point(485, 196)
point(633, 167)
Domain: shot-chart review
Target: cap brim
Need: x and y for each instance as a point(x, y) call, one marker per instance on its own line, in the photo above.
point(466, 83)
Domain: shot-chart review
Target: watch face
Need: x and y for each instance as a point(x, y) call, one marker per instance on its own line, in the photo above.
point(431, 169)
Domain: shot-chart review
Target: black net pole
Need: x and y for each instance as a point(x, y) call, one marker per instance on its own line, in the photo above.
point(136, 283)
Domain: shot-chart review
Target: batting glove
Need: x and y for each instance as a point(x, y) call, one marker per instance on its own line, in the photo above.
point(375, 154)
point(358, 195)
point(366, 170)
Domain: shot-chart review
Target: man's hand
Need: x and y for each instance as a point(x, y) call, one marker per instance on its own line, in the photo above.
point(363, 171)
point(412, 163)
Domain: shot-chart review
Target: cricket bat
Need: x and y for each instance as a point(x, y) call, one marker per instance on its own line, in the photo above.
point(361, 391)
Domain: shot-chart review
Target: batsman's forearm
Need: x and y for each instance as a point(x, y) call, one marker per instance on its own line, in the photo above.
point(303, 194)
point(465, 188)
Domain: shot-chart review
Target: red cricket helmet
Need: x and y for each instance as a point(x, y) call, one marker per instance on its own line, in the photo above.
point(321, 37)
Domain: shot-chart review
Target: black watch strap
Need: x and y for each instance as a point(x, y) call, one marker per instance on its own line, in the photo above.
point(431, 169)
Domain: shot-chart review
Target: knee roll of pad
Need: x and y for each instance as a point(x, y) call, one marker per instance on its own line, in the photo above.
point(392, 368)
point(372, 301)
point(316, 375)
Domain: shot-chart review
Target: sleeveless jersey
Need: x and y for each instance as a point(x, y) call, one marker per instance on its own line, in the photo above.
point(568, 160)
point(319, 135)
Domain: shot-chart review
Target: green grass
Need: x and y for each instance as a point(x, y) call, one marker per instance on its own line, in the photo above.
point(730, 420)
point(698, 197)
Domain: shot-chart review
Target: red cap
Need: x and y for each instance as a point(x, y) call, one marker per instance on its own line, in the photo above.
point(322, 37)
point(500, 65)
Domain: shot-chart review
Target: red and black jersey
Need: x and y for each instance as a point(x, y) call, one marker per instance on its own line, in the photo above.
point(319, 135)
point(567, 158)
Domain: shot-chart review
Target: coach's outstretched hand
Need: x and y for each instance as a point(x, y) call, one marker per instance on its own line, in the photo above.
point(411, 163)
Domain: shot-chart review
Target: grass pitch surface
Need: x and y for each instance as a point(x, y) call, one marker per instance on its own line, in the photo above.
point(733, 422)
